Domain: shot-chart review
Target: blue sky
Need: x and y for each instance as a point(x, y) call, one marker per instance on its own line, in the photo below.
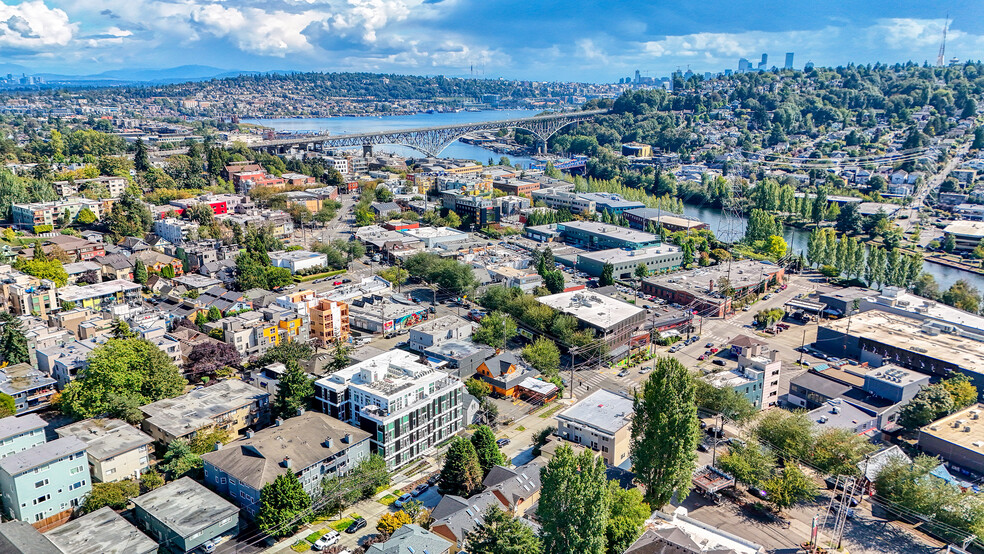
point(595, 41)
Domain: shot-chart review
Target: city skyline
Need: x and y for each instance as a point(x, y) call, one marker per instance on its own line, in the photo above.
point(540, 41)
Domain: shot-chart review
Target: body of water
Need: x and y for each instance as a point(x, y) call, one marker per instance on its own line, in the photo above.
point(797, 240)
point(458, 150)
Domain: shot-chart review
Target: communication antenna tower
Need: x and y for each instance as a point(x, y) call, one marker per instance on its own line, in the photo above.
point(730, 228)
point(940, 59)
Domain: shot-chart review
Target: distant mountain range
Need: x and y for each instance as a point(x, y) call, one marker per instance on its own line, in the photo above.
point(178, 74)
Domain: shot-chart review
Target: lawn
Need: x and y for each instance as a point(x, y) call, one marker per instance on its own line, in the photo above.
point(388, 500)
point(301, 546)
point(341, 524)
point(556, 408)
point(307, 278)
point(521, 428)
point(315, 536)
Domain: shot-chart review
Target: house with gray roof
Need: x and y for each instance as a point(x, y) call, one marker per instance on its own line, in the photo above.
point(312, 445)
point(116, 449)
point(20, 537)
point(185, 515)
point(31, 389)
point(517, 489)
point(44, 484)
point(411, 538)
point(101, 532)
point(19, 433)
point(454, 516)
point(601, 421)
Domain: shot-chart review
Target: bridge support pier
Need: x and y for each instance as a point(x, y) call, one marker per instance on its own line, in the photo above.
point(366, 150)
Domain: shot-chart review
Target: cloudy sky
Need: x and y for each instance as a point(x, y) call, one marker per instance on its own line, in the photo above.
point(596, 41)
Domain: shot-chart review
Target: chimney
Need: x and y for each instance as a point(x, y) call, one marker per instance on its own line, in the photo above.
point(710, 285)
point(279, 422)
point(249, 433)
point(218, 446)
point(287, 463)
point(327, 442)
point(347, 438)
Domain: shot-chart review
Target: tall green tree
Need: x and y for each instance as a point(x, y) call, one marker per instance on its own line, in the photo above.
point(487, 450)
point(790, 433)
point(543, 355)
point(140, 272)
point(931, 403)
point(748, 463)
point(501, 533)
point(554, 281)
point(790, 487)
point(665, 432)
point(129, 217)
point(120, 372)
point(141, 162)
point(282, 506)
point(13, 341)
point(607, 277)
point(574, 503)
point(294, 391)
point(495, 330)
point(627, 512)
point(461, 474)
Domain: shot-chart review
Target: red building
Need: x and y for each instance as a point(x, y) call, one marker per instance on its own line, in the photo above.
point(400, 225)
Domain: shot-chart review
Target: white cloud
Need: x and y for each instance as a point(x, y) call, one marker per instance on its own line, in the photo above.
point(33, 26)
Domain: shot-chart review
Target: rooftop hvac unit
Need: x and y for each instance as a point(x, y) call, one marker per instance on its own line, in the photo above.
point(933, 428)
point(966, 428)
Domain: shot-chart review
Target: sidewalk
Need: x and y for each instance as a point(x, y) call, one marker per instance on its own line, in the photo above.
point(518, 452)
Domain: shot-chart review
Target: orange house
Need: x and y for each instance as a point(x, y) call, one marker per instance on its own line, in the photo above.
point(509, 377)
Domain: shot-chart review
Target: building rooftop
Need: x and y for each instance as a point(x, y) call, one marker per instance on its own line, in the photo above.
point(295, 255)
point(20, 537)
point(410, 538)
point(840, 414)
point(594, 309)
point(601, 409)
point(189, 412)
point(618, 255)
point(258, 460)
point(39, 455)
point(611, 200)
point(964, 428)
point(688, 535)
point(897, 376)
point(101, 532)
point(441, 324)
point(433, 232)
point(73, 293)
point(729, 379)
point(17, 378)
point(598, 228)
point(16, 425)
point(906, 333)
point(185, 506)
point(965, 228)
point(703, 282)
point(819, 384)
point(105, 438)
point(894, 298)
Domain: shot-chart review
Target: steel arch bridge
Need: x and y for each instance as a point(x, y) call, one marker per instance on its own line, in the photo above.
point(431, 140)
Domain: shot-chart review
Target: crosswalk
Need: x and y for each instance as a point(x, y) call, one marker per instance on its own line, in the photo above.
point(589, 381)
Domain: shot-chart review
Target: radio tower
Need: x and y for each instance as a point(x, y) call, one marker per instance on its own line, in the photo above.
point(940, 60)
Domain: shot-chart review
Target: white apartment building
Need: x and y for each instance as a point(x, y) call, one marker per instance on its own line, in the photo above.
point(407, 407)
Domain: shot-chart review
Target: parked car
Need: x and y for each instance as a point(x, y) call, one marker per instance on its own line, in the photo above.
point(720, 362)
point(702, 357)
point(402, 500)
point(502, 442)
point(434, 479)
point(326, 540)
point(421, 489)
point(709, 345)
point(623, 373)
point(356, 525)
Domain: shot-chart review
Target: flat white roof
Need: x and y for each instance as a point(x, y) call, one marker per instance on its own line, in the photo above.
point(965, 228)
point(618, 255)
point(592, 308)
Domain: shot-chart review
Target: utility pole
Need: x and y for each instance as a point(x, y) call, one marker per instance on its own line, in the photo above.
point(573, 352)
